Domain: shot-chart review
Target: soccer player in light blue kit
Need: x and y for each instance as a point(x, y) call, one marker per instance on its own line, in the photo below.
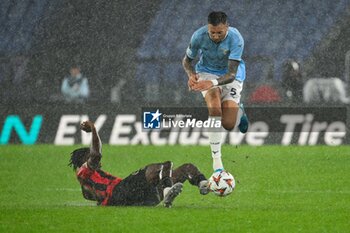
point(219, 75)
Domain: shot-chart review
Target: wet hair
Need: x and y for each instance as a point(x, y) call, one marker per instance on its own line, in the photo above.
point(75, 66)
point(79, 157)
point(217, 17)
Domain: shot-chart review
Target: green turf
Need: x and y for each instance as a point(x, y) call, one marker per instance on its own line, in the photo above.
point(280, 189)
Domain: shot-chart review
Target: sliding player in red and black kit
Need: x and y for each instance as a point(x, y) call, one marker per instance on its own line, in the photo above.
point(145, 187)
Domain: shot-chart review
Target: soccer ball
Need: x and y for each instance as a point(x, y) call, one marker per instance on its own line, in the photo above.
point(222, 183)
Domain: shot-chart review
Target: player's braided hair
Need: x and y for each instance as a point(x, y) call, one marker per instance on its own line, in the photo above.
point(79, 157)
point(217, 17)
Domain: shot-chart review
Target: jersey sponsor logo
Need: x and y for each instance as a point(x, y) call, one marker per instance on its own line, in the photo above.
point(224, 50)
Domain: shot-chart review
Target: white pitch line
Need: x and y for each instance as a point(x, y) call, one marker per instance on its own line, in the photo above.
point(63, 189)
point(80, 204)
point(298, 191)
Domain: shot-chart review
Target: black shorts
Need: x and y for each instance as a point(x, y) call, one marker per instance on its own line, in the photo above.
point(134, 190)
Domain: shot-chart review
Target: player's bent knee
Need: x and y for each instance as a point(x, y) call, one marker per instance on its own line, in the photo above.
point(228, 127)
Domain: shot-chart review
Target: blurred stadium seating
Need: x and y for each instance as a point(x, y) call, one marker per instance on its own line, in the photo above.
point(283, 30)
point(144, 42)
point(275, 30)
point(18, 20)
point(325, 90)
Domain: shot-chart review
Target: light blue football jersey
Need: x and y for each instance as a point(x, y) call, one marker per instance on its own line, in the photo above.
point(214, 56)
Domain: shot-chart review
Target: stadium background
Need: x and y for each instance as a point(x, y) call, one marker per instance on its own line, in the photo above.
point(133, 49)
point(131, 54)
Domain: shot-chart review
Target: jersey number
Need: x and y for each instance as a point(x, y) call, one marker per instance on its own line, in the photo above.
point(233, 92)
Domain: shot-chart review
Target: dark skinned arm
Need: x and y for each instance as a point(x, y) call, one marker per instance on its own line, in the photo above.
point(96, 145)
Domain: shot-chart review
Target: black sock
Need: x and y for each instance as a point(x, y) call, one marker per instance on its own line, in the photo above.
point(197, 179)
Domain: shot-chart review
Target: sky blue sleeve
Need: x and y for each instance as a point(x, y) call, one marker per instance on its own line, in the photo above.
point(192, 49)
point(65, 88)
point(84, 88)
point(237, 47)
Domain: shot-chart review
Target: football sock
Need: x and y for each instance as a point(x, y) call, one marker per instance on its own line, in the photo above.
point(215, 145)
point(165, 175)
point(217, 163)
point(196, 179)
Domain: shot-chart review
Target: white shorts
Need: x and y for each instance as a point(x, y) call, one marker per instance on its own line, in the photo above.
point(231, 91)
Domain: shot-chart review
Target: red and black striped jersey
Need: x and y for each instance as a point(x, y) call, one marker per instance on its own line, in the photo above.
point(97, 184)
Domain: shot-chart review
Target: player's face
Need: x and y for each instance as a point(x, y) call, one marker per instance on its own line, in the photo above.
point(74, 72)
point(217, 33)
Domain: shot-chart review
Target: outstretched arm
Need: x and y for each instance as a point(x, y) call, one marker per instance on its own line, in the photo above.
point(96, 145)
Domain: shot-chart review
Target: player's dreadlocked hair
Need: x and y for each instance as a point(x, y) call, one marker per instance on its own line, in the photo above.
point(217, 17)
point(79, 157)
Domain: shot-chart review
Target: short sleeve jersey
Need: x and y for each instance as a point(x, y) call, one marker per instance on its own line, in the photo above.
point(99, 182)
point(214, 56)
